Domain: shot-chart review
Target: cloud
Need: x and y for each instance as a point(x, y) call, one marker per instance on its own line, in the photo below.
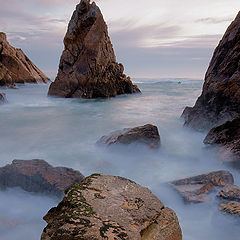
point(211, 20)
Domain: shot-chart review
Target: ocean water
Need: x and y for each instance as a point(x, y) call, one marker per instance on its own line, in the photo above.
point(64, 132)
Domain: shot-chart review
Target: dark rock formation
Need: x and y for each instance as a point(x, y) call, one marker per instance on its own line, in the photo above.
point(88, 67)
point(232, 208)
point(196, 189)
point(38, 176)
point(147, 134)
point(107, 207)
point(220, 98)
point(230, 192)
point(227, 135)
point(3, 98)
point(16, 67)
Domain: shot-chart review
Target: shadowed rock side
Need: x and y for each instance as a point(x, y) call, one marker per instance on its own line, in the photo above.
point(16, 67)
point(88, 67)
point(227, 135)
point(147, 135)
point(197, 189)
point(107, 207)
point(3, 98)
point(38, 176)
point(220, 98)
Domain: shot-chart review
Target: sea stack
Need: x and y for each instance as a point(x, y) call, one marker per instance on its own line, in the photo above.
point(220, 98)
point(16, 67)
point(88, 67)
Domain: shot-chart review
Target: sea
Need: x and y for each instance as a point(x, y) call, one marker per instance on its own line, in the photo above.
point(64, 132)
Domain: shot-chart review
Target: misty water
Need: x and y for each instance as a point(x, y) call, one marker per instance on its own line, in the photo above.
point(64, 132)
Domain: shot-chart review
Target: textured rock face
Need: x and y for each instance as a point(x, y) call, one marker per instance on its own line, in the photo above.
point(16, 67)
point(88, 67)
point(227, 135)
point(196, 189)
point(147, 134)
point(3, 98)
point(38, 176)
point(220, 98)
point(107, 207)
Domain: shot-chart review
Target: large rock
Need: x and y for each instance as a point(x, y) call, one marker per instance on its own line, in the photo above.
point(227, 135)
point(38, 176)
point(16, 67)
point(196, 189)
point(107, 207)
point(88, 67)
point(147, 135)
point(220, 98)
point(3, 98)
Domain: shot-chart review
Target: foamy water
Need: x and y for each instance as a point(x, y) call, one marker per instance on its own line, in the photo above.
point(64, 132)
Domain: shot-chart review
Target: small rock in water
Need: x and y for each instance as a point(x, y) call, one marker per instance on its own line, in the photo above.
point(230, 192)
point(147, 135)
point(232, 208)
point(3, 98)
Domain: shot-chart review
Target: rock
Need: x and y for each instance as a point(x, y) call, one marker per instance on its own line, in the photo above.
point(230, 192)
point(108, 207)
point(220, 98)
point(197, 189)
point(88, 67)
point(232, 208)
point(16, 67)
point(38, 176)
point(147, 134)
point(3, 98)
point(227, 135)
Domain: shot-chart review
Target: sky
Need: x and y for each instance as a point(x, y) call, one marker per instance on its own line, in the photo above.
point(153, 39)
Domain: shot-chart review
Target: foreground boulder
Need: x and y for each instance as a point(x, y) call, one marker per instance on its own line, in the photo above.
point(16, 67)
point(3, 98)
point(220, 98)
point(196, 189)
point(38, 176)
point(147, 135)
point(107, 207)
point(227, 135)
point(88, 67)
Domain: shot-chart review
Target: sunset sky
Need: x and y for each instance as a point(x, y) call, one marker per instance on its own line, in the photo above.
point(154, 38)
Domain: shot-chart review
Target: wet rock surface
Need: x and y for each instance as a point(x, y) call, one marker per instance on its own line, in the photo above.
point(38, 176)
point(230, 192)
point(16, 67)
point(196, 189)
point(88, 67)
point(3, 98)
point(220, 98)
point(108, 207)
point(232, 208)
point(147, 135)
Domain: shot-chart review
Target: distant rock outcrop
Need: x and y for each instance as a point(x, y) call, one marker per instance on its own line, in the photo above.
point(147, 135)
point(88, 67)
point(16, 67)
point(220, 98)
point(227, 135)
point(107, 207)
point(38, 176)
point(196, 189)
point(3, 98)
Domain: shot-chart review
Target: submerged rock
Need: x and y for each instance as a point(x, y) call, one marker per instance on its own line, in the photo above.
point(147, 135)
point(16, 67)
point(232, 208)
point(227, 135)
point(3, 98)
point(230, 192)
point(197, 188)
point(220, 98)
point(107, 207)
point(38, 176)
point(88, 67)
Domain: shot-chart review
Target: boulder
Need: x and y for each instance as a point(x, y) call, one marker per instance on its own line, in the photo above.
point(227, 135)
point(108, 207)
point(220, 98)
point(38, 176)
point(88, 67)
point(230, 192)
point(147, 135)
point(16, 67)
point(3, 98)
point(232, 208)
point(196, 189)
